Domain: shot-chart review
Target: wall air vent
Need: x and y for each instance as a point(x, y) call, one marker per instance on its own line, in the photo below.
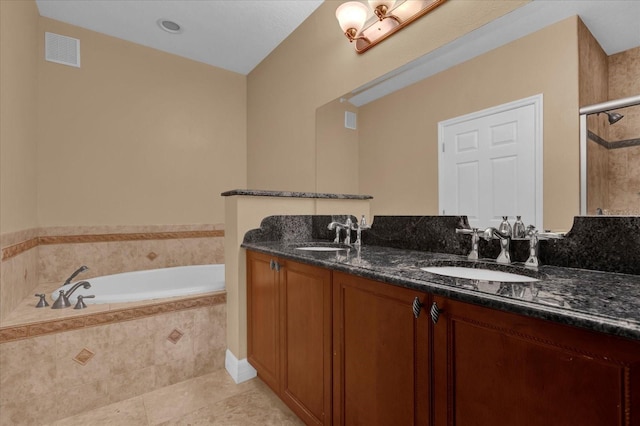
point(350, 120)
point(62, 49)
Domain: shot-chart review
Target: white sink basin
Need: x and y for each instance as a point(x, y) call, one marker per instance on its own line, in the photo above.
point(478, 274)
point(320, 248)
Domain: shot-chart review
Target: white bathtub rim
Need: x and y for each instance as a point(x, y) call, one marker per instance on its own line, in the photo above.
point(216, 284)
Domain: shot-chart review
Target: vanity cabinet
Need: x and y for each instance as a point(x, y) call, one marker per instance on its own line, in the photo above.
point(263, 318)
point(345, 350)
point(289, 332)
point(381, 354)
point(493, 367)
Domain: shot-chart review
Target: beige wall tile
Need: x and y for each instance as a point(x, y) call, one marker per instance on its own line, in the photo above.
point(27, 369)
point(131, 358)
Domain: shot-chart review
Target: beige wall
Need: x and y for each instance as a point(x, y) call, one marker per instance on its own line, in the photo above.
point(136, 136)
point(399, 133)
point(337, 150)
point(315, 65)
point(18, 115)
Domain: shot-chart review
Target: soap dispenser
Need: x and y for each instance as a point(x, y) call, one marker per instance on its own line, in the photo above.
point(505, 227)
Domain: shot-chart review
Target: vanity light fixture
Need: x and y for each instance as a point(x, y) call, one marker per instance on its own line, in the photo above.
point(368, 26)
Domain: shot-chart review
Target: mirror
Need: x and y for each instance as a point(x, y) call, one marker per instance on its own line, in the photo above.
point(393, 152)
point(610, 157)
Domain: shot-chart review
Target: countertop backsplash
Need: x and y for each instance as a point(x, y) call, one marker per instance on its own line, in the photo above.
point(601, 243)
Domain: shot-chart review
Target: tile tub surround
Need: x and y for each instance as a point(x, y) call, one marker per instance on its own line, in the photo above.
point(43, 379)
point(49, 255)
point(600, 301)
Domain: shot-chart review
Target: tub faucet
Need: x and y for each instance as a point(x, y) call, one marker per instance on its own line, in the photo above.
point(79, 270)
point(491, 233)
point(63, 297)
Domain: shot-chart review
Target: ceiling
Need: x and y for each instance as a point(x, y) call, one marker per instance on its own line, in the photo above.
point(238, 34)
point(232, 34)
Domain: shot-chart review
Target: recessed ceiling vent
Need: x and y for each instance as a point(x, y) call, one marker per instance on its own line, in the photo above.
point(62, 49)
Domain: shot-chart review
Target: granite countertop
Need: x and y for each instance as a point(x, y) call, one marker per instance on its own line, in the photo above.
point(291, 194)
point(601, 301)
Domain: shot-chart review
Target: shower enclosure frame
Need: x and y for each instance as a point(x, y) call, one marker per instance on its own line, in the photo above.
point(593, 109)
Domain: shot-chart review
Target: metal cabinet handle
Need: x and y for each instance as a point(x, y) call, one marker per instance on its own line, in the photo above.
point(416, 306)
point(274, 266)
point(435, 312)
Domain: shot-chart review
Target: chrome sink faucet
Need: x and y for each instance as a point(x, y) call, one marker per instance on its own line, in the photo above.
point(475, 238)
point(349, 226)
point(362, 226)
point(505, 240)
point(534, 237)
point(339, 226)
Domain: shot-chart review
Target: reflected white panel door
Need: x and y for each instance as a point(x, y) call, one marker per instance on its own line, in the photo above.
point(490, 164)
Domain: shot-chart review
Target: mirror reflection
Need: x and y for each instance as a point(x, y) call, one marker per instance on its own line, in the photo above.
point(393, 151)
point(613, 162)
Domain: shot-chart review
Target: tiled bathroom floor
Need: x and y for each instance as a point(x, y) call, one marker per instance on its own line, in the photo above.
point(213, 399)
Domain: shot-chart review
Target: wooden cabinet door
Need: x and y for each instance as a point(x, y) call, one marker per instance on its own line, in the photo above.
point(306, 341)
point(381, 354)
point(263, 318)
point(496, 368)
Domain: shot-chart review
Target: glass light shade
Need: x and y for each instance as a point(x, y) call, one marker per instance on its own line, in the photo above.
point(352, 14)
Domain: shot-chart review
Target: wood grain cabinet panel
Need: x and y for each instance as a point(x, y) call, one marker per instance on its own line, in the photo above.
point(381, 354)
point(289, 332)
point(263, 318)
point(306, 341)
point(493, 367)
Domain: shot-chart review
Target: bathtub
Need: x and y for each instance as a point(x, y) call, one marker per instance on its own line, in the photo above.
point(150, 284)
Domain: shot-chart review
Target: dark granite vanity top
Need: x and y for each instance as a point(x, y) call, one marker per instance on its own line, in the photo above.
point(601, 301)
point(265, 193)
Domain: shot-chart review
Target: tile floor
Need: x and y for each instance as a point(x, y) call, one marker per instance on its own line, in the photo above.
point(212, 399)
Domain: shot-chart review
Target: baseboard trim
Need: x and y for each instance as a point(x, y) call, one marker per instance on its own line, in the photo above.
point(239, 370)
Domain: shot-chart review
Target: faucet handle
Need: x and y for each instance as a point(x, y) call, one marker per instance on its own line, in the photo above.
point(42, 303)
point(466, 231)
point(80, 304)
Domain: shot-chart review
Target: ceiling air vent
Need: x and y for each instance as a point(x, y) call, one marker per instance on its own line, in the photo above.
point(62, 49)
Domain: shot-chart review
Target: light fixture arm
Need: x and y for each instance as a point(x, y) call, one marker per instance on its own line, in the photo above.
point(382, 11)
point(352, 35)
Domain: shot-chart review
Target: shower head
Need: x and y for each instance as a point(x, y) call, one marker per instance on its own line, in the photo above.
point(614, 117)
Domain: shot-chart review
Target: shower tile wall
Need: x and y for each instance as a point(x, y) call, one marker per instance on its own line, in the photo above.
point(614, 174)
point(40, 381)
point(624, 163)
point(49, 255)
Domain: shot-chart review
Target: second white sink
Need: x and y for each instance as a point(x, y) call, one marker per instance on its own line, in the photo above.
point(478, 274)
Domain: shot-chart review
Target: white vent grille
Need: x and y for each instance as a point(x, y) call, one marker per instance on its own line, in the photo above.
point(62, 49)
point(350, 120)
